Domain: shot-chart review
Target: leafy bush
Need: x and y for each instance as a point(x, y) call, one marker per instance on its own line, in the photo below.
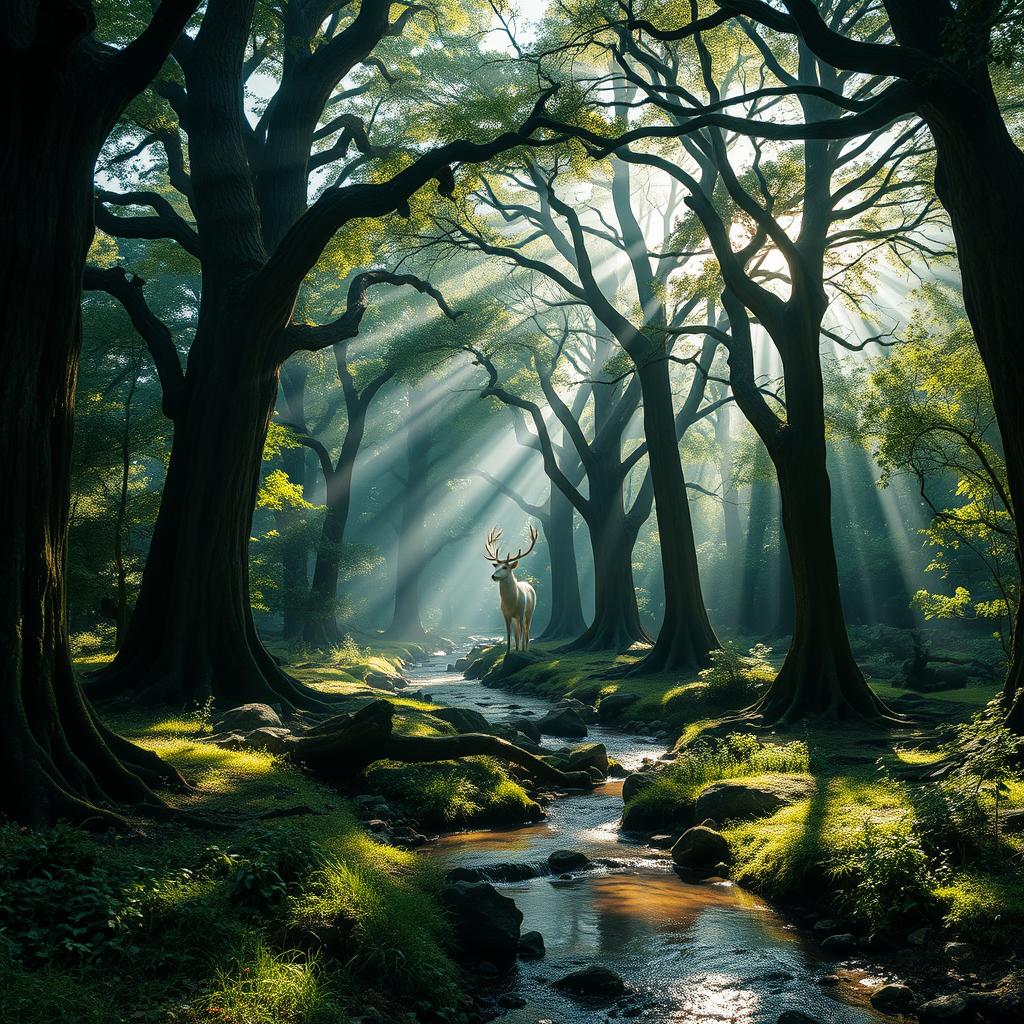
point(886, 878)
point(733, 677)
point(57, 905)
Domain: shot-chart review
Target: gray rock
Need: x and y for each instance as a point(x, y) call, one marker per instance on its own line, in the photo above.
point(951, 1009)
point(561, 861)
point(893, 998)
point(839, 945)
point(736, 798)
point(463, 719)
point(269, 738)
point(796, 1017)
point(918, 939)
point(563, 722)
point(958, 950)
point(531, 946)
point(247, 717)
point(700, 848)
point(527, 726)
point(593, 982)
point(486, 924)
point(612, 706)
point(826, 926)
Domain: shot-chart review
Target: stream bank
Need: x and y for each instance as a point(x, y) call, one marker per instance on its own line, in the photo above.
point(702, 953)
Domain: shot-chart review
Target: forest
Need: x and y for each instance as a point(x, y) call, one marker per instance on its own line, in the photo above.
point(512, 511)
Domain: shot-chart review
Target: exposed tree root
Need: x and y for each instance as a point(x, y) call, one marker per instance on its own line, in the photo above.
point(343, 746)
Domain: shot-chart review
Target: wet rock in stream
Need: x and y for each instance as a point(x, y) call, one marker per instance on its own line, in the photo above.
point(486, 923)
point(594, 982)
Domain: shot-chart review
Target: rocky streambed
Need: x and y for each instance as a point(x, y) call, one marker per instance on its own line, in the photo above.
point(613, 930)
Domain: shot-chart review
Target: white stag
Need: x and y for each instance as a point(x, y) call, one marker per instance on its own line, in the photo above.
point(518, 600)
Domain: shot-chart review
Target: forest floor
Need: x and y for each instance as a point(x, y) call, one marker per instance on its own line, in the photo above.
point(235, 923)
point(241, 923)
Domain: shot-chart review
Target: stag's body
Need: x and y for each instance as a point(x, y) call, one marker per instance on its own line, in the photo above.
point(518, 600)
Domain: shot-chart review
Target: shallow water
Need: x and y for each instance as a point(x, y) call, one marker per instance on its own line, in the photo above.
point(704, 953)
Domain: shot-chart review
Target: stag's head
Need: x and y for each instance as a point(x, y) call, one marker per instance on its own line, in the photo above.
point(503, 566)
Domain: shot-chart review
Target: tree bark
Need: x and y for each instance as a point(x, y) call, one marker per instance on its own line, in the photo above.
point(294, 551)
point(321, 624)
point(686, 636)
point(566, 619)
point(63, 93)
point(345, 745)
point(192, 637)
point(979, 179)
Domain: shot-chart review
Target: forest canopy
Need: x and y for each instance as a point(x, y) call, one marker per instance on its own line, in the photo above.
point(654, 363)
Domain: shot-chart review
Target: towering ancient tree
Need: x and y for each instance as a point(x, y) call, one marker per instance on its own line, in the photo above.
point(256, 236)
point(63, 91)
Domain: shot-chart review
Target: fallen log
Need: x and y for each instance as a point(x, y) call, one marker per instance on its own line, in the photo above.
point(343, 746)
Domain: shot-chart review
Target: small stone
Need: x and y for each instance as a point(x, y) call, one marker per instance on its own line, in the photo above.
point(796, 1017)
point(829, 980)
point(531, 946)
point(958, 950)
point(661, 842)
point(893, 998)
point(562, 861)
point(951, 1009)
point(919, 938)
point(826, 926)
point(593, 982)
point(839, 945)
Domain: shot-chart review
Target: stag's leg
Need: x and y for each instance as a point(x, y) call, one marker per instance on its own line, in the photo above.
point(519, 632)
point(526, 629)
point(508, 635)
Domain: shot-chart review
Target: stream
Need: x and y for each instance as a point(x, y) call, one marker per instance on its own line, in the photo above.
point(698, 953)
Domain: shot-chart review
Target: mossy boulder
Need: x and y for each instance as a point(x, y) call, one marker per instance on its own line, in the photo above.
point(612, 706)
point(247, 717)
point(746, 798)
point(590, 755)
point(593, 983)
point(701, 848)
point(463, 719)
point(565, 722)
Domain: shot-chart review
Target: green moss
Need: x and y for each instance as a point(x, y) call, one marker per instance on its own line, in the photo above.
point(454, 794)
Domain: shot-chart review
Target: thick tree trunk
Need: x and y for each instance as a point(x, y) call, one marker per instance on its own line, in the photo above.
point(566, 618)
point(686, 636)
point(819, 678)
point(411, 559)
point(979, 178)
point(192, 637)
point(731, 525)
point(751, 610)
point(321, 626)
point(616, 624)
point(57, 761)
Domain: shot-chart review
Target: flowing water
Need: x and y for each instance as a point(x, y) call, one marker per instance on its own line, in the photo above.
point(704, 953)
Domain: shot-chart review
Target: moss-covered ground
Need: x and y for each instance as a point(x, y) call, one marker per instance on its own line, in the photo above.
point(284, 911)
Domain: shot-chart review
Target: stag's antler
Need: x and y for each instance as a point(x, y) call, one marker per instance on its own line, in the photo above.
point(521, 553)
point(491, 545)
